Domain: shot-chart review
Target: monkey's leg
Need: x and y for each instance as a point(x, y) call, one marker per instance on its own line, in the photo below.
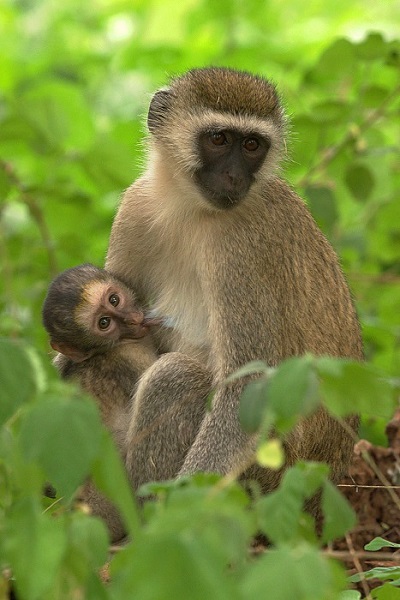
point(169, 406)
point(101, 506)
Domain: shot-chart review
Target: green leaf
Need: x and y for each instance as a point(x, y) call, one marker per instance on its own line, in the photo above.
point(5, 185)
point(63, 436)
point(386, 592)
point(88, 544)
point(281, 512)
point(299, 572)
point(349, 595)
point(201, 574)
point(108, 163)
point(110, 477)
point(382, 573)
point(60, 113)
point(373, 47)
point(374, 95)
point(293, 391)
point(378, 543)
point(337, 60)
point(348, 386)
point(329, 111)
point(323, 206)
point(253, 405)
point(34, 547)
point(338, 514)
point(360, 181)
point(20, 380)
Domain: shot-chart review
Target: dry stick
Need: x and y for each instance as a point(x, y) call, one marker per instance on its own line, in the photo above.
point(386, 483)
point(330, 153)
point(358, 566)
point(370, 461)
point(369, 556)
point(367, 487)
point(36, 214)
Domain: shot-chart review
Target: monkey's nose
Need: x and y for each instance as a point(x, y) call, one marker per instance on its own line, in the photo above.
point(134, 318)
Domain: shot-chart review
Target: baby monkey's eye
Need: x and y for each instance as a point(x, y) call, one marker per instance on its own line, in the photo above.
point(114, 299)
point(104, 323)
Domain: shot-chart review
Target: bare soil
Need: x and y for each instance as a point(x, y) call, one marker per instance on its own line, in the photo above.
point(373, 489)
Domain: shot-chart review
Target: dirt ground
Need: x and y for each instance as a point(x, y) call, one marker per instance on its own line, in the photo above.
point(373, 489)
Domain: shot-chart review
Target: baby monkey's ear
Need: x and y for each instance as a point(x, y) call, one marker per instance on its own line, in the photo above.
point(71, 352)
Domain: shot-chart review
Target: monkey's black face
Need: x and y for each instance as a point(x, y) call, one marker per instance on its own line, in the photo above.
point(229, 161)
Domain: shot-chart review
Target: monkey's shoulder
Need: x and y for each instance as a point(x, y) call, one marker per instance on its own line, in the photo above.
point(287, 216)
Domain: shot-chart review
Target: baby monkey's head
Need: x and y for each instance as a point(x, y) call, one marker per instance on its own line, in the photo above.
point(88, 311)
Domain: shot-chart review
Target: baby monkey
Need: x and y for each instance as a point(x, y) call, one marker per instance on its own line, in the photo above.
point(101, 334)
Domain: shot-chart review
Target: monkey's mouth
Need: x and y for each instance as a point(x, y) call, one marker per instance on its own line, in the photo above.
point(225, 197)
point(224, 200)
point(136, 332)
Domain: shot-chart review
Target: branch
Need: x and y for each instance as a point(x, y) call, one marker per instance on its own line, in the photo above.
point(330, 153)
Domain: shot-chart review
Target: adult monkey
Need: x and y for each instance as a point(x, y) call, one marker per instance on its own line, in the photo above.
point(224, 248)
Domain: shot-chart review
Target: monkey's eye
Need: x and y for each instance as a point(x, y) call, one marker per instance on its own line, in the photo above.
point(251, 144)
point(104, 323)
point(218, 138)
point(114, 299)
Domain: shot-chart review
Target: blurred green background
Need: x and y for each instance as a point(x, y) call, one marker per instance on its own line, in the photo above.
point(75, 83)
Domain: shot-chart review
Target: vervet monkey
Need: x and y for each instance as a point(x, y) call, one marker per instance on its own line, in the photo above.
point(221, 245)
point(102, 338)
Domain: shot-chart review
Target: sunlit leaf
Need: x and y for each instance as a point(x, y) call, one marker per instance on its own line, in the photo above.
point(270, 454)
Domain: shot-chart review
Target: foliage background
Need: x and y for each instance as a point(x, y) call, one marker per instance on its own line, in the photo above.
point(75, 82)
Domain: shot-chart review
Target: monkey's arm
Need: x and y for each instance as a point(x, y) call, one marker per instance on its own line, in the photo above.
point(170, 403)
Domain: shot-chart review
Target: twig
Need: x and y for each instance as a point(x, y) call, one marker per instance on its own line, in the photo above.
point(386, 483)
point(369, 556)
point(329, 154)
point(374, 487)
point(357, 564)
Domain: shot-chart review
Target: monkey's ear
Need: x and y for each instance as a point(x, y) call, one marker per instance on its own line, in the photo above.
point(159, 106)
point(71, 352)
